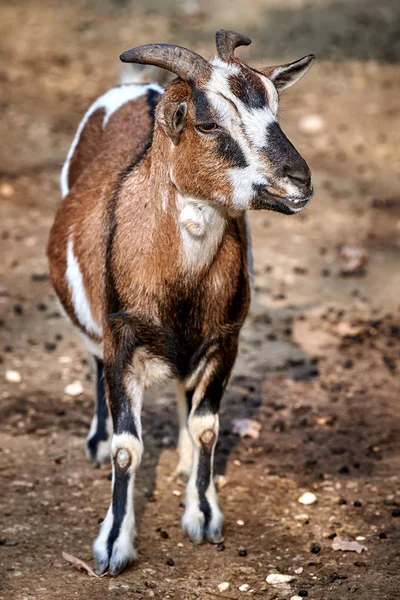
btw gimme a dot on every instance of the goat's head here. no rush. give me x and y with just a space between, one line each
221 117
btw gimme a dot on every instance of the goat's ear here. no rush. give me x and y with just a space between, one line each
286 75
171 117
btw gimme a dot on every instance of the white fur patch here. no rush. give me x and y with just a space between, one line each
79 299
111 101
202 226
185 444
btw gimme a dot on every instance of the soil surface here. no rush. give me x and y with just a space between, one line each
320 355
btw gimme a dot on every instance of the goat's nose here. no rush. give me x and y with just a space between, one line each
300 177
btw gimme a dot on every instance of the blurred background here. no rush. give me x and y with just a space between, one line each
319 360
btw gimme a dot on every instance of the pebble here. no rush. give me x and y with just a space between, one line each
224 586
13 376
307 498
244 587
312 124
74 389
6 190
295 598
299 571
277 579
240 522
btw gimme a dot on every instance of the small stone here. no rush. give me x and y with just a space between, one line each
307 498
6 190
13 376
299 571
311 124
224 586
278 579
240 522
74 389
295 598
244 588
176 493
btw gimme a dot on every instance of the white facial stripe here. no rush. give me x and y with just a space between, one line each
111 101
256 122
230 68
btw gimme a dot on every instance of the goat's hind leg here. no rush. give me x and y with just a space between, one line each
98 441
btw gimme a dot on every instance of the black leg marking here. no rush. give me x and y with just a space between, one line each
119 501
101 433
203 479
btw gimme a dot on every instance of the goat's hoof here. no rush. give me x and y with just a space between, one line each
195 526
113 555
98 451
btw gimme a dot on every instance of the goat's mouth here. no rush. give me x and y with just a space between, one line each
267 200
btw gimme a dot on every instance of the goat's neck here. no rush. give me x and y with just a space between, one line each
200 223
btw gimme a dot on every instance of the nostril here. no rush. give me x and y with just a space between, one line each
302 177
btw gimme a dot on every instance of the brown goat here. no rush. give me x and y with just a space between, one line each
149 255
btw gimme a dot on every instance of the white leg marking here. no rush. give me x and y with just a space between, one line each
185 444
196 523
114 545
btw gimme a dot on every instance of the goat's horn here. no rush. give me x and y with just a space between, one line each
181 61
227 41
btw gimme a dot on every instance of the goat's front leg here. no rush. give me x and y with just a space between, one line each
185 444
113 548
203 518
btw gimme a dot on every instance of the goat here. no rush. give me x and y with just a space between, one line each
150 255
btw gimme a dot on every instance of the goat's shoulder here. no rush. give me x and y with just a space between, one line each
115 127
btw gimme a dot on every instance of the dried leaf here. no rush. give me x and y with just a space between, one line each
246 428
345 546
79 564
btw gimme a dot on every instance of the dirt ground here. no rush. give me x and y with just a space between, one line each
320 355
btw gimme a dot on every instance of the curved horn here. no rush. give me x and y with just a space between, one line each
227 41
181 61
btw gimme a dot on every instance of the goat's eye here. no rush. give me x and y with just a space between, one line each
207 127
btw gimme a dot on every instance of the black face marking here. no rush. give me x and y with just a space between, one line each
230 149
250 91
281 152
119 502
101 433
202 106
